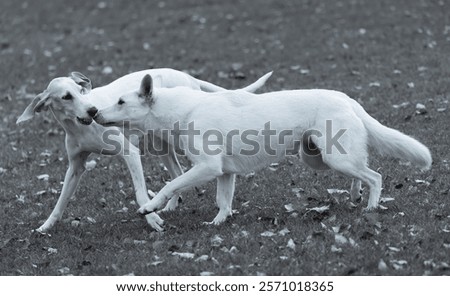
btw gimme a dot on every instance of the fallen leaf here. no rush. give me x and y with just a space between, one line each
139 242
233 249
399 264
340 239
297 191
291 244
386 199
250 175
422 182
402 105
21 198
216 241
394 249
319 210
337 191
185 255
420 108
335 249
382 266
43 177
90 165
202 258
268 233
64 270
289 208
52 251
283 231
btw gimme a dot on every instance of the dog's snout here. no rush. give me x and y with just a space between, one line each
92 111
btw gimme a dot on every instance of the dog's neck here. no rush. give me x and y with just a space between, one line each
167 108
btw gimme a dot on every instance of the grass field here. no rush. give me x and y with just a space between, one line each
389 55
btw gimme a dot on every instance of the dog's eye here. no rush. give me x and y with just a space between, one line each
121 102
67 97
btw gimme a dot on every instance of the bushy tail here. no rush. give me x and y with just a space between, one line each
392 142
209 87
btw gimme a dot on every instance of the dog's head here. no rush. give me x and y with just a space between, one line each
131 108
67 98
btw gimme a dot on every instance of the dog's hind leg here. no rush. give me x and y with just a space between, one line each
348 154
353 163
224 197
361 172
71 180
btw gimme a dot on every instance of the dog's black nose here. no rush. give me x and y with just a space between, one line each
92 111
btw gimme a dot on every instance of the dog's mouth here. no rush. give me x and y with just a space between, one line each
85 121
111 123
99 121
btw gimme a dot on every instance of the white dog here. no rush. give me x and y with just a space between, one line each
263 129
74 103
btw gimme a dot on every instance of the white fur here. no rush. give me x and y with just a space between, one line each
84 138
299 111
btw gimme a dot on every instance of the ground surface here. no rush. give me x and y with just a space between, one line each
382 53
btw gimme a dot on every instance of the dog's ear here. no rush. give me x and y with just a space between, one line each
81 80
146 89
39 103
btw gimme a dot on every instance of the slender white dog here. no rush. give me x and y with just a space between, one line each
74 103
329 120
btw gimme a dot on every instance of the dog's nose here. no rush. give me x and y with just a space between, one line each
92 111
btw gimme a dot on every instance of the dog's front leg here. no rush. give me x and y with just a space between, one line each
170 161
131 155
196 176
71 180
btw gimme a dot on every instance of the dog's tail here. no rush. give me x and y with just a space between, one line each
392 142
209 87
258 83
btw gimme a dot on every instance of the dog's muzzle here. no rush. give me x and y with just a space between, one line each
85 121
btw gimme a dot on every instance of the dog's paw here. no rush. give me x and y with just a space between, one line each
369 209
146 209
155 221
40 230
171 205
219 219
